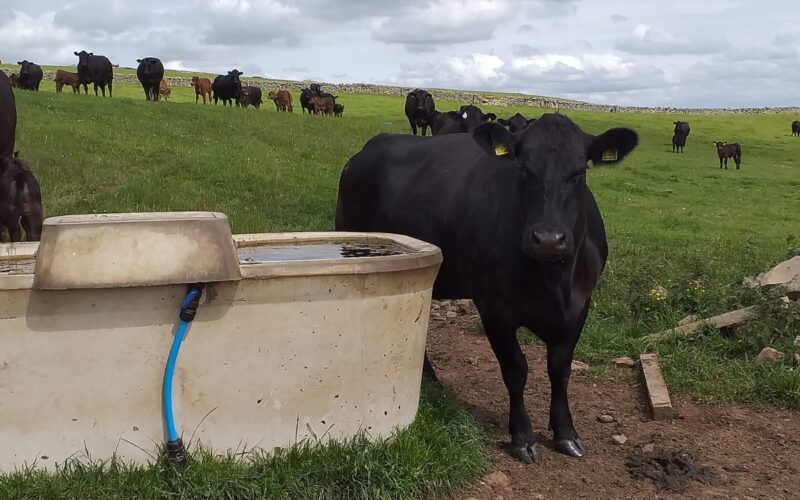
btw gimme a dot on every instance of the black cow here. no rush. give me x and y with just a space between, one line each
516 123
227 87
150 73
30 75
20 200
467 119
796 128
305 100
679 136
519 230
8 117
725 151
419 110
96 70
338 111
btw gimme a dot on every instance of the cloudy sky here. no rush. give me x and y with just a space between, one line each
629 52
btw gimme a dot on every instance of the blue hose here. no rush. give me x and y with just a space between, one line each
175 449
172 433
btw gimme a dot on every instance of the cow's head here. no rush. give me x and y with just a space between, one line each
25 67
719 145
516 123
473 117
421 98
552 157
235 74
149 66
83 59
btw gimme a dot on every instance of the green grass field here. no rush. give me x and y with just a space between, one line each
673 221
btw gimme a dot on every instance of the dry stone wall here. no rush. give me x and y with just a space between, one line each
467 97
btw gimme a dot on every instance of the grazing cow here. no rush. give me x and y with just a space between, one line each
20 200
250 96
679 136
96 70
796 128
8 117
202 87
164 89
516 123
227 87
30 75
282 100
466 119
419 110
67 78
519 230
14 80
150 73
725 151
323 105
338 111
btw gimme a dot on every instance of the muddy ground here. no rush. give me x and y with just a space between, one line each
754 454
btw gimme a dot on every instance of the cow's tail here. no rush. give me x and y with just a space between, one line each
739 153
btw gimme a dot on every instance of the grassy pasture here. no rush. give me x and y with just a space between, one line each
673 221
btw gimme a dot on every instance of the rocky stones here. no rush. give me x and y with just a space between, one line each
624 362
606 419
579 366
769 356
619 439
451 314
692 318
648 448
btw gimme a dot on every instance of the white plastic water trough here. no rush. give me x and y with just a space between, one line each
297 336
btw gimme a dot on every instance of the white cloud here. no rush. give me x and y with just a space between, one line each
650 40
444 22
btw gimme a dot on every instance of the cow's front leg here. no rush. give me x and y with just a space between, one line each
514 367
559 368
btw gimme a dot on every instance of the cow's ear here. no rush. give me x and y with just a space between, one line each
495 140
76 54
612 145
489 117
531 120
91 53
138 60
503 122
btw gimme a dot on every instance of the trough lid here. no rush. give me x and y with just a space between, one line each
139 249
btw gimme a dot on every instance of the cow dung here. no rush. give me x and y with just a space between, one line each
672 471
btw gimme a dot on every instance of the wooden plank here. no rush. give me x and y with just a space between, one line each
732 318
657 392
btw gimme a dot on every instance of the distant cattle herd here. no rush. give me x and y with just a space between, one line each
20 200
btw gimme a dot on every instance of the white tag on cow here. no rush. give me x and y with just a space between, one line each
464 116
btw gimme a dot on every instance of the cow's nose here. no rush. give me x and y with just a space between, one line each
549 243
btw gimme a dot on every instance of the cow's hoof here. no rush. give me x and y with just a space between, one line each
528 454
571 447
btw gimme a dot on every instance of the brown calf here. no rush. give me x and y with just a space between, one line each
164 89
202 87
322 105
67 78
282 100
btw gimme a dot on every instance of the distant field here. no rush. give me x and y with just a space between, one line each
674 221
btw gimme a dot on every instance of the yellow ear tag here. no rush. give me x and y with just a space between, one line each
500 150
610 155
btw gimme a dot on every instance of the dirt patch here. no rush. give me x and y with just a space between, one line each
671 472
755 453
